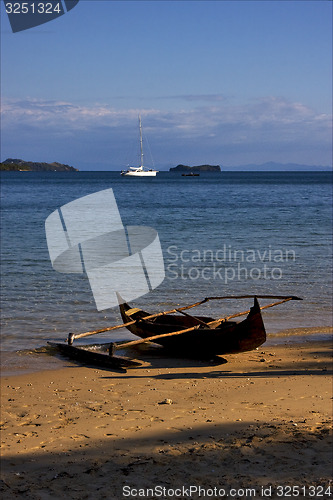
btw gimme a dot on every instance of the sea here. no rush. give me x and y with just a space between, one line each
221 234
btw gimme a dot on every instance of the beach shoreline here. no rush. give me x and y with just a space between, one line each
25 361
261 420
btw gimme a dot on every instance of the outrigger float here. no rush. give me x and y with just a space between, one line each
201 337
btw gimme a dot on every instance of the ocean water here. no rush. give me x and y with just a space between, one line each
221 234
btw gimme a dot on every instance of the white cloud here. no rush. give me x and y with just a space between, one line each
226 132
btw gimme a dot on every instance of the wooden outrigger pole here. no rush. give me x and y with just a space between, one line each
116 327
72 336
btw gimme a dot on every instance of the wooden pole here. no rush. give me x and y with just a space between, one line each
289 297
193 317
154 337
261 308
150 316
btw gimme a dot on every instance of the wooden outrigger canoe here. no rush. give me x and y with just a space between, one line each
206 336
181 334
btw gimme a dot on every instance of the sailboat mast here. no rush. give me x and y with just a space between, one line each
141 148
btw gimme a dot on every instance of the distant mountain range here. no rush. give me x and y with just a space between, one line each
272 166
32 166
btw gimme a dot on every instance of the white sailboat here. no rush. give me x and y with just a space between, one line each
140 171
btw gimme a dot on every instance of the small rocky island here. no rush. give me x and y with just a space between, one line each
12 164
197 169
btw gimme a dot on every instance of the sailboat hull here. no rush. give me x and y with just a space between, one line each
143 173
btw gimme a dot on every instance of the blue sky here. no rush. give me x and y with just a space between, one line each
220 82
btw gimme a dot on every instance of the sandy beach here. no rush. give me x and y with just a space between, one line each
251 427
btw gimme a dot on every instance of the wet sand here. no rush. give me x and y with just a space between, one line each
260 421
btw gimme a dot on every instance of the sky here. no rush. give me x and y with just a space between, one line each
221 82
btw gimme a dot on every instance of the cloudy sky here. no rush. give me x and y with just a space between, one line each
220 82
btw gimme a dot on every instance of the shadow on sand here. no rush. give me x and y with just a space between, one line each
242 455
157 357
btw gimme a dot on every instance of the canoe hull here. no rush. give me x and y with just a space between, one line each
227 337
